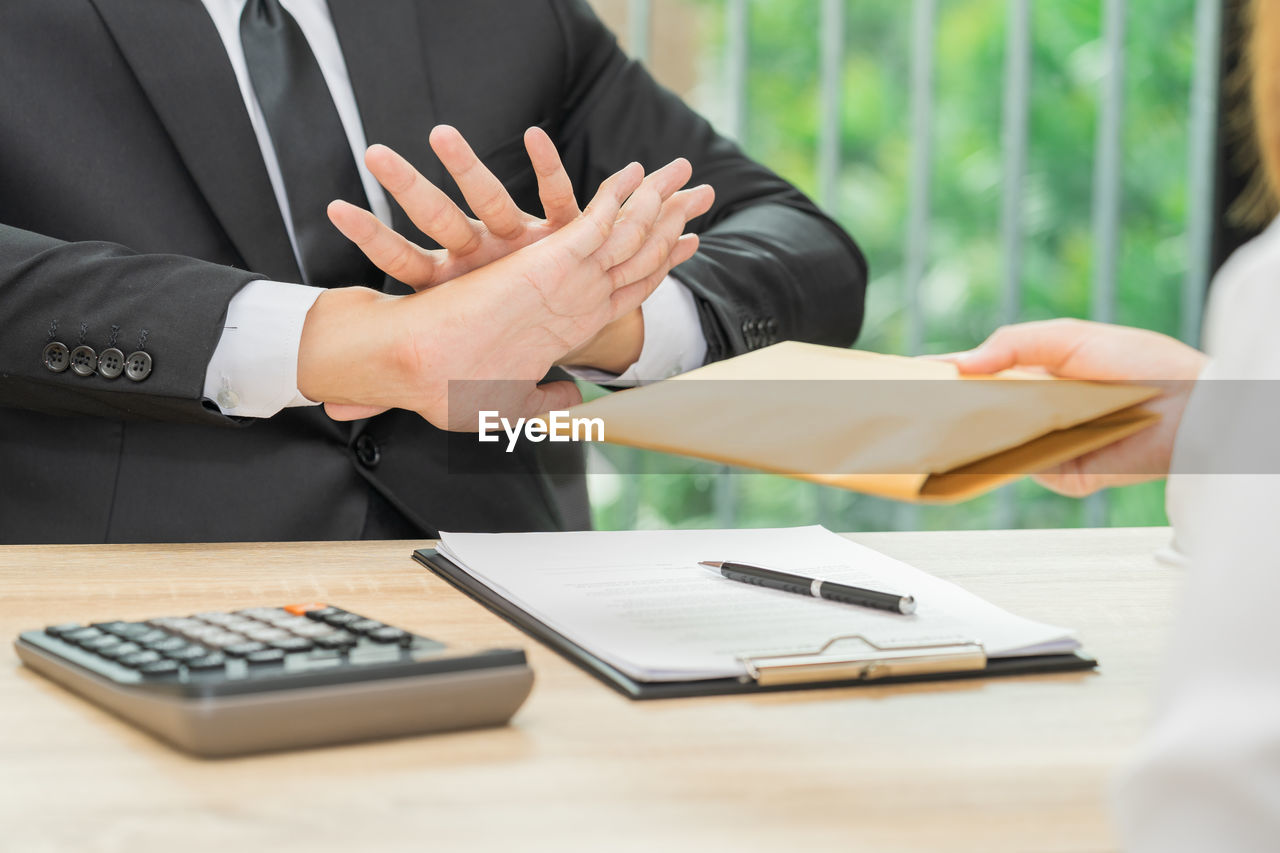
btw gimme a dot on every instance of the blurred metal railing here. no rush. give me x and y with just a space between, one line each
1200 172
1107 176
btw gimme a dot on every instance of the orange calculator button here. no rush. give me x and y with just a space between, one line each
300 609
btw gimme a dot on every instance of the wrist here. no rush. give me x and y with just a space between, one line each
614 348
345 349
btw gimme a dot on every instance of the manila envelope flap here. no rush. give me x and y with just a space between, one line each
909 429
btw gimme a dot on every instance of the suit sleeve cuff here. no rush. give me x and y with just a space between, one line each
673 340
254 369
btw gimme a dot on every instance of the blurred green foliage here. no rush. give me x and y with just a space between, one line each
961 293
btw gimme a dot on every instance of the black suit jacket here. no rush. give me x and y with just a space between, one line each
134 204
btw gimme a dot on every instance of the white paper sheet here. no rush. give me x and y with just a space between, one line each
640 601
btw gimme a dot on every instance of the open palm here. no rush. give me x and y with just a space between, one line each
500 227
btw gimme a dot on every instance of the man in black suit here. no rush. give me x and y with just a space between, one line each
160 165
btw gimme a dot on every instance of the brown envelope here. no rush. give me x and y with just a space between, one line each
909 429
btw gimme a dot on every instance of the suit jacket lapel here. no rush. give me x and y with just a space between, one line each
385 57
176 54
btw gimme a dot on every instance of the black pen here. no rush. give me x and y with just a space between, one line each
830 590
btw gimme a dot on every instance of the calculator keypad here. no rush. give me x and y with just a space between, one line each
253 642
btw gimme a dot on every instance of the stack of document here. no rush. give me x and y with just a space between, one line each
639 601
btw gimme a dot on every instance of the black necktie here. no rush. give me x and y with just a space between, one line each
315 158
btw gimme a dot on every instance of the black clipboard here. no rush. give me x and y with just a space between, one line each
869 672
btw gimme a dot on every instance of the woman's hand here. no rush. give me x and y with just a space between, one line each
1077 349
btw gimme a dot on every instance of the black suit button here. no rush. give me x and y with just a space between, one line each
138 366
771 326
110 363
84 361
746 327
367 451
57 357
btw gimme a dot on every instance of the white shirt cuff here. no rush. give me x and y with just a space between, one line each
673 340
254 369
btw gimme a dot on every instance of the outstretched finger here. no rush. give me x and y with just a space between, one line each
489 199
1050 344
389 251
662 239
635 224
686 248
585 235
559 204
425 203
630 296
671 177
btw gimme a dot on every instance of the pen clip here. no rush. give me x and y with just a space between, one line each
865 664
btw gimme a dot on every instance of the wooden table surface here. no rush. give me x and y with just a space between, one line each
1000 764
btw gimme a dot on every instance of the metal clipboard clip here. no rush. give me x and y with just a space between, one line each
866 663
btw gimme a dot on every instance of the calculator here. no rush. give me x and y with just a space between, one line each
269 678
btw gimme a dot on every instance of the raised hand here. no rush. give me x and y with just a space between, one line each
509 320
1076 349
469 244
466 243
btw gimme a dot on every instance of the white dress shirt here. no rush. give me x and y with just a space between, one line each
1208 774
254 369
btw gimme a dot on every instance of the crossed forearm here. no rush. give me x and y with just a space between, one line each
570 296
